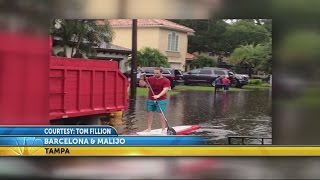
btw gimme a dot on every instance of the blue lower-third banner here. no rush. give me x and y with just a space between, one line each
102 141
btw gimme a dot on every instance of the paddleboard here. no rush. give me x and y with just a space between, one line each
181 130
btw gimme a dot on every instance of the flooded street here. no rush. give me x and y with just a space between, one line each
244 113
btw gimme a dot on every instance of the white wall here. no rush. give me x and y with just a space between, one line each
177 66
122 65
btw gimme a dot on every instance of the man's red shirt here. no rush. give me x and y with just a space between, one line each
157 86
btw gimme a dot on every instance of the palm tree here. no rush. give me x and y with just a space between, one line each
81 35
63 29
257 56
243 54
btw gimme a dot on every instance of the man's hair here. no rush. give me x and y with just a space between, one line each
159 69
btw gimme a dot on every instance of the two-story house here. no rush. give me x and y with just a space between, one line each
168 37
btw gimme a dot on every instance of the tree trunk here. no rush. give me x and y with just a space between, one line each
72 50
79 36
78 43
65 50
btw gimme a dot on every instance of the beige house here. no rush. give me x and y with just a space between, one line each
189 58
168 37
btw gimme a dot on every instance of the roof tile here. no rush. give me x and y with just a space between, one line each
148 22
189 56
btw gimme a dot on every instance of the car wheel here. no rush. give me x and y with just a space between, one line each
213 84
237 84
234 83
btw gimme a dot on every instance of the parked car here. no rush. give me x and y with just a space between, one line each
178 75
208 75
128 74
174 75
169 73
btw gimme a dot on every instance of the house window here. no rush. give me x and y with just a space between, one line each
173 41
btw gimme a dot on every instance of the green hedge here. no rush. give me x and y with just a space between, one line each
255 81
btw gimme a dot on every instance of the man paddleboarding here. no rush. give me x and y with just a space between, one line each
160 86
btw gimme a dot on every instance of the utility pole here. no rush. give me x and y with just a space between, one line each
133 85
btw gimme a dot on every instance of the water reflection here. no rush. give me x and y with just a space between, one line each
129 123
227 113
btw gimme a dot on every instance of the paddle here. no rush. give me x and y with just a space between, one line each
170 130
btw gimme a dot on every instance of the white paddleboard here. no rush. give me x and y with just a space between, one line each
180 130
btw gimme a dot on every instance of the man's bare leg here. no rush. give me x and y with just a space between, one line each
163 123
150 120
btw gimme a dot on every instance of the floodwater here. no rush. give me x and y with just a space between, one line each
244 113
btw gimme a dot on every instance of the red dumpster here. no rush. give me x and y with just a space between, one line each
24 71
81 87
36 88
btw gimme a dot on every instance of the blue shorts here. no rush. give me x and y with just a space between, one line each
153 107
226 87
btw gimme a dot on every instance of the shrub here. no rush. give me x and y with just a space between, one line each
255 82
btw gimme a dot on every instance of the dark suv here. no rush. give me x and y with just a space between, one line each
172 74
208 75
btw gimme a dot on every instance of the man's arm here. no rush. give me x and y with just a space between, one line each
142 81
164 91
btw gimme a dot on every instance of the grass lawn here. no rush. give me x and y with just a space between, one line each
261 86
205 88
258 83
144 92
177 89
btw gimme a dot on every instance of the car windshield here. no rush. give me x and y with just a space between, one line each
195 71
166 72
149 71
177 72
